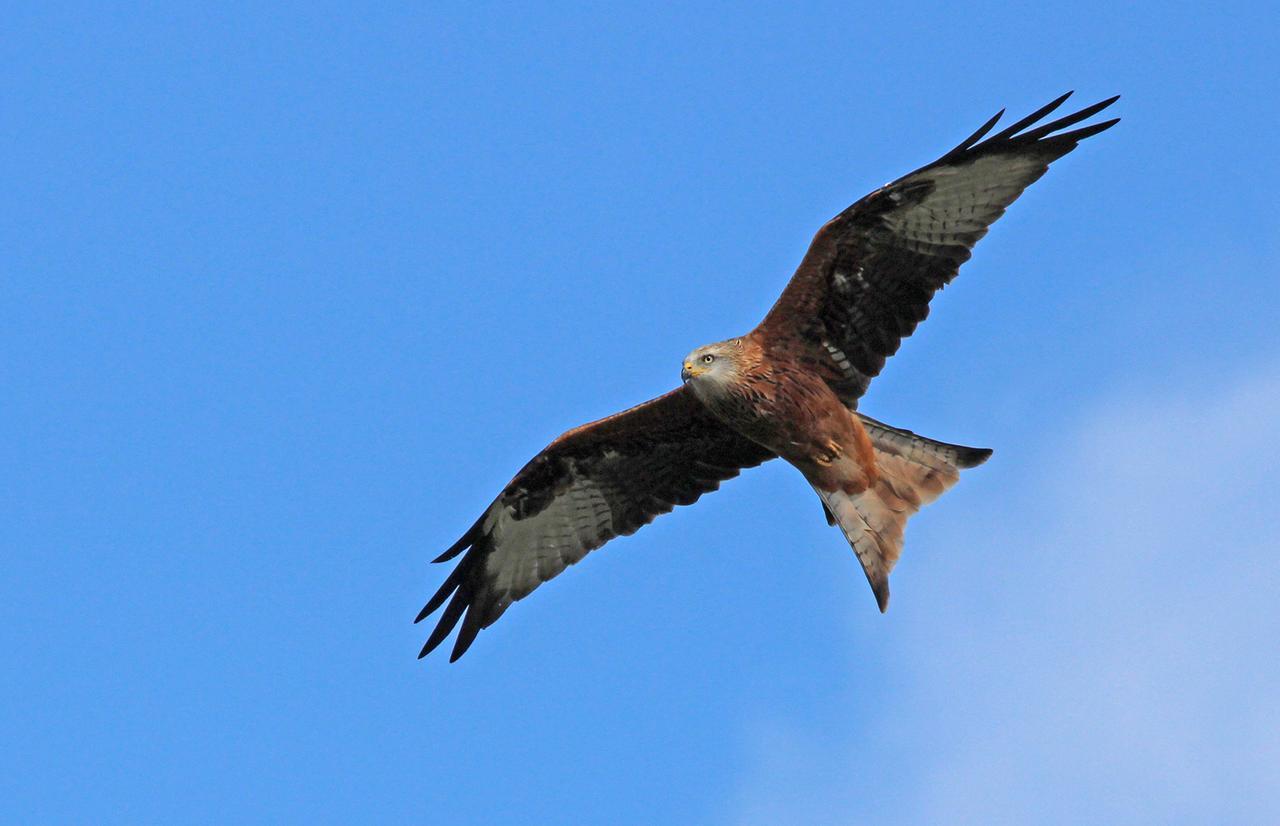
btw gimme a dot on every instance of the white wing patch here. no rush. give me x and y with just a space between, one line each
965 200
531 551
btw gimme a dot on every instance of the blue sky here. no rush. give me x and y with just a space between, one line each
291 290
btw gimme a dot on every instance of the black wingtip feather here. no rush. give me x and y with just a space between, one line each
447 621
471 626
473 604
1064 122
1087 131
1013 129
453 551
968 142
1012 136
468 539
450 584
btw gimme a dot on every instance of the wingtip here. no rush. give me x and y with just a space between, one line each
454 549
1077 135
439 635
981 132
468 539
471 626
1014 128
447 588
1058 101
461 644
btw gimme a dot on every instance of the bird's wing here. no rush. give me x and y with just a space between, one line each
604 479
869 274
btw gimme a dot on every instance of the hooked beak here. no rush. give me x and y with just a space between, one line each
686 372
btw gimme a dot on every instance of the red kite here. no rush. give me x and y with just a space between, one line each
788 389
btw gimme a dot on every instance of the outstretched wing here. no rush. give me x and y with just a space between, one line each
869 274
604 479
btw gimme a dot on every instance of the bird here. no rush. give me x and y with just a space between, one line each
788 389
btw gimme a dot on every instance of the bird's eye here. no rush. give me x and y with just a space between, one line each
708 358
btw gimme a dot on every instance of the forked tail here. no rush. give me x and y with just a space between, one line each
913 471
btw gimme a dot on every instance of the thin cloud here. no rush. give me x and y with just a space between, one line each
1119 664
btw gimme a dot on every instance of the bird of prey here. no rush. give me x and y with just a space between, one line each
788 389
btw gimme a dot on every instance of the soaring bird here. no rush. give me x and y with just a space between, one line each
788 389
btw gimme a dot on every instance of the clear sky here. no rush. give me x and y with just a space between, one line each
290 291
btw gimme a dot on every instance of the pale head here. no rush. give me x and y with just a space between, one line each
713 367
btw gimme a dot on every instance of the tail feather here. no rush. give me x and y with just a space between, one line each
919 449
913 471
876 549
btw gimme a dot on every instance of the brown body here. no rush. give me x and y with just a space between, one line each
779 397
781 402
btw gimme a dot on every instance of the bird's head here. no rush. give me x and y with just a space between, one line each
712 367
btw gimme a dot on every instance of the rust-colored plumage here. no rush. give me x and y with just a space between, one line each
789 389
